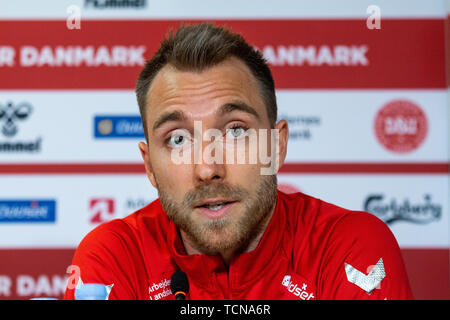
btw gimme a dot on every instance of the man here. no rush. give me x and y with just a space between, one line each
205 94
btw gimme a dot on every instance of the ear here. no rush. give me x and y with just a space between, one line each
283 135
143 148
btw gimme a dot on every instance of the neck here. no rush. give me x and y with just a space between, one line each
228 255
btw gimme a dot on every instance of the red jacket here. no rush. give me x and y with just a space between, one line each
310 250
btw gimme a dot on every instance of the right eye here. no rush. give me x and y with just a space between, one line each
177 139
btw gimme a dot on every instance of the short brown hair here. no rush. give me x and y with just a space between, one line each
198 47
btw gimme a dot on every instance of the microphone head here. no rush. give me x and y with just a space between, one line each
179 282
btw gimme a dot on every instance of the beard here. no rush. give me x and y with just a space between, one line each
236 229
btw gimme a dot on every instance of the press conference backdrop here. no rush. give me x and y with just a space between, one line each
363 85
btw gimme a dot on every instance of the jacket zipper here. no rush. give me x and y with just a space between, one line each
228 297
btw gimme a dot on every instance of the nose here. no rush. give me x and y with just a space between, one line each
210 168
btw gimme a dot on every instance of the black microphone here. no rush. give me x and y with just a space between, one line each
179 285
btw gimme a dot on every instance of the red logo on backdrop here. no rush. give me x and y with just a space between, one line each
287 188
101 210
401 126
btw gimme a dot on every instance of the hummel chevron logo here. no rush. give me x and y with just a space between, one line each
366 282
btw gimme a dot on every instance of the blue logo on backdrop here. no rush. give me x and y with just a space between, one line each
118 127
27 211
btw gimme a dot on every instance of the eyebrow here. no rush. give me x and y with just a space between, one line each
223 110
237 106
168 117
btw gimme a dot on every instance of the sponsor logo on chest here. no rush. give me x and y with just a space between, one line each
300 290
160 290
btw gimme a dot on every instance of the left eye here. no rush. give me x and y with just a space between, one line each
235 132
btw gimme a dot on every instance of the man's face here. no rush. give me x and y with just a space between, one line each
218 205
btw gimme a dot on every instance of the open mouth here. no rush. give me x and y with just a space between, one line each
215 208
